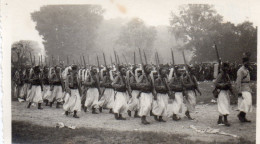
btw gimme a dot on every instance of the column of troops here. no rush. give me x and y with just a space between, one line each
139 90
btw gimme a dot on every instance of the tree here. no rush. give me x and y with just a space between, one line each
68 30
134 35
21 52
199 26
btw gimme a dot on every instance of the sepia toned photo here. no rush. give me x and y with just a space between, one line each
129 71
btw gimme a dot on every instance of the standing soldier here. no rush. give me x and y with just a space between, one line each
92 82
25 84
72 97
121 97
134 101
223 84
244 91
17 82
36 87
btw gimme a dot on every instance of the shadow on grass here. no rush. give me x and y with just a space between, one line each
24 132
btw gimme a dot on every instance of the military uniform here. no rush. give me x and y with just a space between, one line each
245 98
72 97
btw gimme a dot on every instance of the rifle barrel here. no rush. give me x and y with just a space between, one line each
141 56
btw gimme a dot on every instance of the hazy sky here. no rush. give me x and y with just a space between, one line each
153 12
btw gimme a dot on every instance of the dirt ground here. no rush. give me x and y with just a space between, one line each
205 115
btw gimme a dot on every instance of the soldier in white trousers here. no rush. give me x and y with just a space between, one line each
244 91
223 84
72 97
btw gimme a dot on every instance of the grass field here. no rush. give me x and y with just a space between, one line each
38 126
24 132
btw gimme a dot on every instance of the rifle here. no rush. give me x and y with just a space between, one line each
52 59
84 61
145 58
118 61
34 60
41 61
152 81
98 82
173 63
31 58
219 60
104 57
115 58
134 59
189 75
111 60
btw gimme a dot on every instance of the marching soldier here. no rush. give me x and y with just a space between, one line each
189 85
176 85
146 97
161 102
223 83
72 97
107 99
56 86
36 87
121 97
134 101
244 91
92 95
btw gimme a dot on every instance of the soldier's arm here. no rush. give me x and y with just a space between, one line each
67 88
116 83
170 74
239 80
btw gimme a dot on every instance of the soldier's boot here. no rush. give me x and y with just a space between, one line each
151 113
75 114
58 105
187 113
129 113
161 119
29 105
136 115
220 121
100 109
245 119
51 104
85 109
156 118
241 117
66 113
39 106
94 111
121 117
144 121
46 103
111 111
175 117
116 116
226 123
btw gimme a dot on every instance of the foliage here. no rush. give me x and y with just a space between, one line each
21 52
134 35
199 26
68 30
